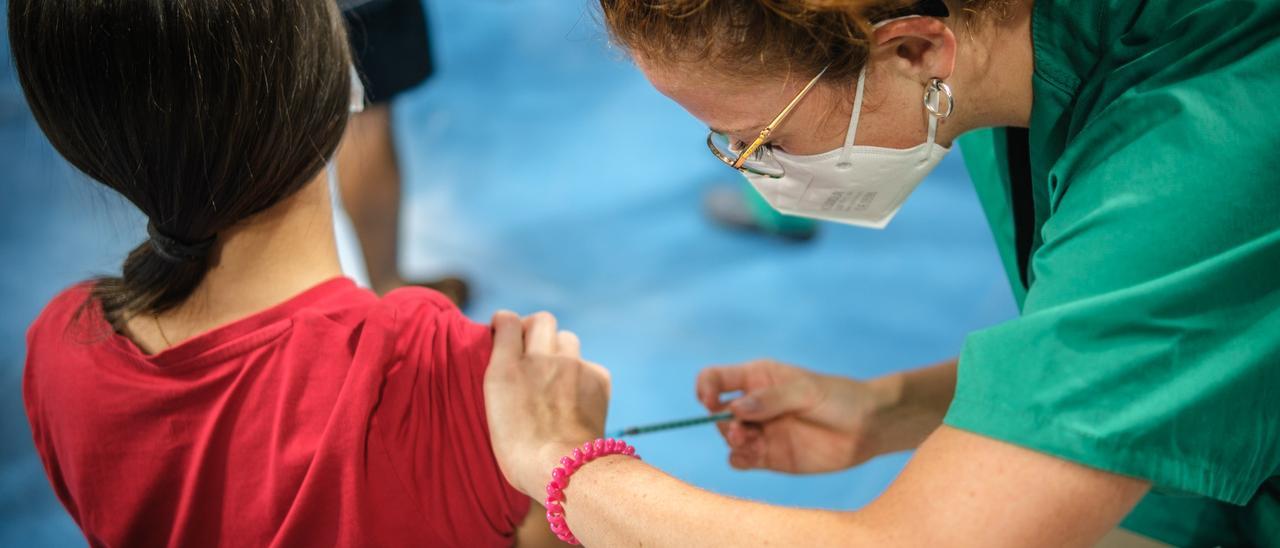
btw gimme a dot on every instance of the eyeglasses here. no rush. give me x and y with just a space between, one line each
757 158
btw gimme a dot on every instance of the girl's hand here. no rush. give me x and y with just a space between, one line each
793 420
541 398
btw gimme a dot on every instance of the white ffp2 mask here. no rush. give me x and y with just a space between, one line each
857 185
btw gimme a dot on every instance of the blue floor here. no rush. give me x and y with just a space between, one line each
542 167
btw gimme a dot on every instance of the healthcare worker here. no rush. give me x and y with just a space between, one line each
1127 155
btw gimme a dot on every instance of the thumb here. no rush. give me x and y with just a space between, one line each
508 338
774 401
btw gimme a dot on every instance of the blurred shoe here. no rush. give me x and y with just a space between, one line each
455 289
741 208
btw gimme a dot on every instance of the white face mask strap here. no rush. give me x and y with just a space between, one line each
857 101
853 118
933 133
933 128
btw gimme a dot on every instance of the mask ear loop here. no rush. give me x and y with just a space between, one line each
852 132
857 103
934 86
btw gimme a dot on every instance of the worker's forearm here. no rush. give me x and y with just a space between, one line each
959 487
621 501
920 399
534 532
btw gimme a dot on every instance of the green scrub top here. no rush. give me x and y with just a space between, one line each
1149 339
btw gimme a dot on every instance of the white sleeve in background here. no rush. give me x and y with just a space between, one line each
349 252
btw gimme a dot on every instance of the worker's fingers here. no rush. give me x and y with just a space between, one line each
714 381
746 445
568 345
723 427
769 403
527 321
746 458
603 373
508 338
734 435
540 334
753 436
739 434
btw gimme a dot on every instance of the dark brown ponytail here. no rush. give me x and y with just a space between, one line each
200 113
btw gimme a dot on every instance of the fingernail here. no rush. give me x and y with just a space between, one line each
746 404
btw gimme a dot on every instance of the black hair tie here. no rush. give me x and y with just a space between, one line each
177 251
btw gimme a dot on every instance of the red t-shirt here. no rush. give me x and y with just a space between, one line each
333 419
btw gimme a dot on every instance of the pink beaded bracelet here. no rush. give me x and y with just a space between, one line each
568 465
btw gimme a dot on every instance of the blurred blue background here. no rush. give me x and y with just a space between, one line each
541 166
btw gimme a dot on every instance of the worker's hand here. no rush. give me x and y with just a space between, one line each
793 420
541 398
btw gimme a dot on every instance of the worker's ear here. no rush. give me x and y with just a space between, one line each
920 48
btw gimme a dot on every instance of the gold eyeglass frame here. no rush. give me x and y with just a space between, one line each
741 159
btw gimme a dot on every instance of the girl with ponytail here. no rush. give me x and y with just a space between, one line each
230 387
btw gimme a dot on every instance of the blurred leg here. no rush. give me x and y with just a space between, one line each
369 177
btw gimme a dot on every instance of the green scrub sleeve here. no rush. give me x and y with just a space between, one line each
1149 344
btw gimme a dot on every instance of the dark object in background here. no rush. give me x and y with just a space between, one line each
390 45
